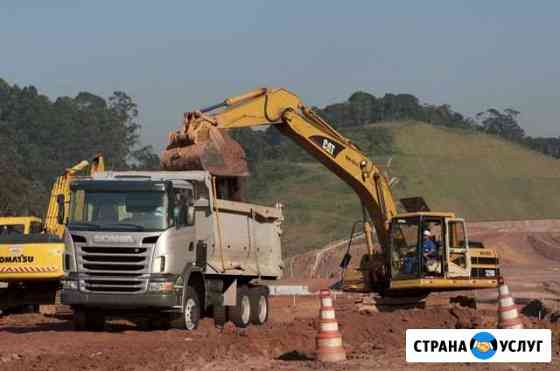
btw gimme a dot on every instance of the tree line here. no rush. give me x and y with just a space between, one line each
363 108
40 137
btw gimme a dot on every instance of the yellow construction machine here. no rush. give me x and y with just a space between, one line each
405 261
31 250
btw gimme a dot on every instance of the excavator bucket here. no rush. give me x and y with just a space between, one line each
218 153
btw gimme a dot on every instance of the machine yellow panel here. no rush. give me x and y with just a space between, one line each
31 261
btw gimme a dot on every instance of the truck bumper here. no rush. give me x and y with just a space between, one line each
120 301
160 294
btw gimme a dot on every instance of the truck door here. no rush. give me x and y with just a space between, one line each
457 249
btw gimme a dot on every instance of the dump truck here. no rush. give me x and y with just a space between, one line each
161 246
421 250
31 249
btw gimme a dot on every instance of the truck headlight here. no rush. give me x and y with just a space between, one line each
161 286
159 264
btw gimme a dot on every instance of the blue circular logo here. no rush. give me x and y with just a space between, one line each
483 345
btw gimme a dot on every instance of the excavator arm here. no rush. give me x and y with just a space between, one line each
284 109
60 194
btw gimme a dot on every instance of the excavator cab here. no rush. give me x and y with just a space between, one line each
431 251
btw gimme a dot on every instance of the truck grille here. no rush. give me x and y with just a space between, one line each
112 269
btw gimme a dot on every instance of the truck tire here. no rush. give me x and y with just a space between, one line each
188 320
161 323
240 314
259 306
87 320
220 315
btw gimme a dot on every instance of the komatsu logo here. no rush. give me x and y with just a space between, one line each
478 346
17 259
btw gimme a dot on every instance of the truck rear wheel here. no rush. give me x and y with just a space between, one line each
240 314
259 306
220 315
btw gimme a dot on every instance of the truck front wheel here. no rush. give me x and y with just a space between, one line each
191 309
240 314
88 320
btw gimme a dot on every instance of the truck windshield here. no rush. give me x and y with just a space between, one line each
135 210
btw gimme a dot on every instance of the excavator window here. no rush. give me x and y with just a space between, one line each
457 245
12 229
404 247
36 228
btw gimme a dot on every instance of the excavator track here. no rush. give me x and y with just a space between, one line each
368 303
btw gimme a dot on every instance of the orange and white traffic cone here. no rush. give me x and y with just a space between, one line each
508 317
329 339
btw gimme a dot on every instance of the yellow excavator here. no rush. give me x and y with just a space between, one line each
420 250
31 250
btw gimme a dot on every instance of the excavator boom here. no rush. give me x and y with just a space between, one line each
60 194
202 143
203 129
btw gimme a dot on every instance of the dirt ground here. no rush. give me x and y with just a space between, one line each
287 342
530 262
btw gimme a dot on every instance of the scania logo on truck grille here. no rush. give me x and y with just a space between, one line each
113 238
17 259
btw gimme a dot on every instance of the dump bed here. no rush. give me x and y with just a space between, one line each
246 239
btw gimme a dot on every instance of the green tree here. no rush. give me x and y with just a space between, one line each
503 124
40 138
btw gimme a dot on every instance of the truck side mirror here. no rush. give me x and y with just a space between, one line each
60 211
189 219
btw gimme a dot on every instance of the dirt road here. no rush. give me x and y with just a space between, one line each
374 341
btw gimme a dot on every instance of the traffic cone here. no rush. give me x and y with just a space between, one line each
329 339
508 317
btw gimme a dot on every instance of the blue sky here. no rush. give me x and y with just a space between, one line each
174 56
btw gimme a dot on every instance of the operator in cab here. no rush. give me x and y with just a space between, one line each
430 251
